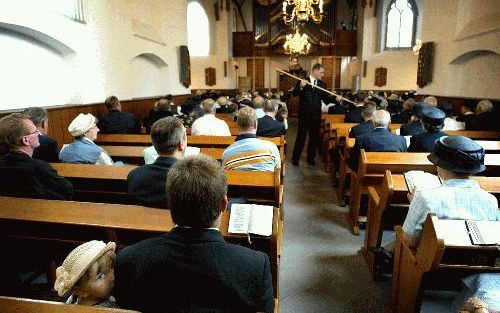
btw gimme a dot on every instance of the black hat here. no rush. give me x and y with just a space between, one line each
458 154
447 108
417 109
433 116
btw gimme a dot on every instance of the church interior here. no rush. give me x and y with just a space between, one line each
331 218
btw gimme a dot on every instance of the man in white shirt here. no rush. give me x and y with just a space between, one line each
258 105
208 124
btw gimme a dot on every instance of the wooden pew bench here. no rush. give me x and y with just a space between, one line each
17 305
438 262
388 204
105 183
372 166
62 225
475 134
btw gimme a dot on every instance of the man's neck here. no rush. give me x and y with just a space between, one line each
247 132
271 114
175 155
24 150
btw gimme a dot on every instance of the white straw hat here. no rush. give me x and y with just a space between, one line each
81 124
77 263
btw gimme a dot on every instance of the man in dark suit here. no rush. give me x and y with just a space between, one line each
47 150
116 121
466 113
433 122
379 140
268 126
191 268
309 113
366 126
404 116
22 175
485 118
414 127
146 184
354 114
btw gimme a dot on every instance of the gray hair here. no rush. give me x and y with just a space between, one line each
271 105
381 118
431 101
208 106
369 110
166 133
258 102
485 105
37 115
247 118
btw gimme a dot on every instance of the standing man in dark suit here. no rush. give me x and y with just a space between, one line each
191 268
309 113
146 184
268 126
48 150
433 122
116 121
379 140
366 126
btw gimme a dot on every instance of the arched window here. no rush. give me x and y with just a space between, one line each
401 18
198 30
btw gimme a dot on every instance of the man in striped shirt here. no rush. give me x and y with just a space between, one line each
248 152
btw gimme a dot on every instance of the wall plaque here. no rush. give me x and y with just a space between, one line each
210 76
425 60
380 76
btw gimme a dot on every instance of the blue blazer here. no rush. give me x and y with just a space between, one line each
425 142
379 140
362 128
411 129
269 127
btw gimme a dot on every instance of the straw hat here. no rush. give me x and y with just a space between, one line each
458 154
81 124
77 263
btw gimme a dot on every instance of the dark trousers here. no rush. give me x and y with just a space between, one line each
307 124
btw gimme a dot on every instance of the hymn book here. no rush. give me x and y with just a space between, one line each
468 232
251 219
421 180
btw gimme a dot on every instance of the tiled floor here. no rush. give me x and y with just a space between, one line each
322 269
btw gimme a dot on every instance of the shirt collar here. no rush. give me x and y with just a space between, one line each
312 78
88 140
245 136
462 183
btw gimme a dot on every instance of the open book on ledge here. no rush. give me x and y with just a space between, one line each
468 232
421 180
251 219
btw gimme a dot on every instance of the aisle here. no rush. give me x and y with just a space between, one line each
322 269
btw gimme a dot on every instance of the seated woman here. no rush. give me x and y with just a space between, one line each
83 149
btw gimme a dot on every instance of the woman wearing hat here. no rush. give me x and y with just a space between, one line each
83 149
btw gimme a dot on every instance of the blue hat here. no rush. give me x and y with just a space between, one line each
417 109
458 154
433 116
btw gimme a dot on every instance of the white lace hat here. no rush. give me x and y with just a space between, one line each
81 124
77 263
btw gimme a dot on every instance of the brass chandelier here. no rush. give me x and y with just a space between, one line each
302 11
297 43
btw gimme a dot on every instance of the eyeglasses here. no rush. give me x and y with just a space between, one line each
34 132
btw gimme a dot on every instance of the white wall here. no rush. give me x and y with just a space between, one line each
466 51
59 61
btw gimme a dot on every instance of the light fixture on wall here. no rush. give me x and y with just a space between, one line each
302 11
417 46
297 43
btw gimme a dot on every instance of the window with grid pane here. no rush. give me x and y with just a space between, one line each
401 20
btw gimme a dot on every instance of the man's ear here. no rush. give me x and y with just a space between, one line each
223 204
45 124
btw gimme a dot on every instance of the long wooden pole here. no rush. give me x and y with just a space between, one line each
322 89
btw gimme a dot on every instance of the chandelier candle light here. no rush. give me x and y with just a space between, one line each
296 43
303 10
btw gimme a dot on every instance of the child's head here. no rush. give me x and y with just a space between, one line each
88 271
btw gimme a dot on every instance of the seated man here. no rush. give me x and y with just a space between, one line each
466 113
457 158
354 113
431 101
146 183
379 140
267 125
485 118
48 150
116 121
191 268
405 115
433 121
162 108
258 105
366 126
208 124
450 122
414 127
23 176
249 152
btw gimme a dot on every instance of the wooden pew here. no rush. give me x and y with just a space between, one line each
390 198
62 225
438 261
105 183
135 154
326 120
372 166
233 130
16 305
475 134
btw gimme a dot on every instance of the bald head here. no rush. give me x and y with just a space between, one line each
381 118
